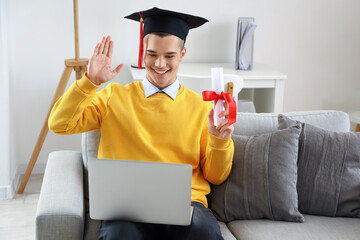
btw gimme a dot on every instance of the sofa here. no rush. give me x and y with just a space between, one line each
62 211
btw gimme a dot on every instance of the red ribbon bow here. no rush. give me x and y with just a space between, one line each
213 96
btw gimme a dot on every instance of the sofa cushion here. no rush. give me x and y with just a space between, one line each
90 145
314 228
225 232
92 228
250 124
328 171
262 182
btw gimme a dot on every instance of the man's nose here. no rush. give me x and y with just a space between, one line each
160 62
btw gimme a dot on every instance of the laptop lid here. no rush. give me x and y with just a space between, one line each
149 192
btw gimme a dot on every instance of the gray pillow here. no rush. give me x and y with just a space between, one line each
262 182
328 171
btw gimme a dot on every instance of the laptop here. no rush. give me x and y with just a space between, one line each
137 191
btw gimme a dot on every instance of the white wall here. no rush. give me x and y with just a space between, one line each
5 163
316 43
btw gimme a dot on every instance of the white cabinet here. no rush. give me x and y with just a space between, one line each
263 85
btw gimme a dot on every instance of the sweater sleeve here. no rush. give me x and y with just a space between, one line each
80 109
217 156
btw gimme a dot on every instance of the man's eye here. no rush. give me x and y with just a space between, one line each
169 56
152 55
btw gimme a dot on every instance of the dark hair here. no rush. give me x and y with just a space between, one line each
165 34
161 34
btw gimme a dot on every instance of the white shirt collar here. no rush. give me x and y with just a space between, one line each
171 90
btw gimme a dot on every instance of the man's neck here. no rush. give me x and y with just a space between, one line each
158 86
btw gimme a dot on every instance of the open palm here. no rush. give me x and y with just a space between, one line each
99 70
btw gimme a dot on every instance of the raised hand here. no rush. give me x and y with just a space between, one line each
100 62
222 130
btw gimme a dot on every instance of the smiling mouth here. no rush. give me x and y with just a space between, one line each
161 72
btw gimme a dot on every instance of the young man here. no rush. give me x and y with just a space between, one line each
154 120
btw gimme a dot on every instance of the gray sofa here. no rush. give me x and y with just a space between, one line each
62 211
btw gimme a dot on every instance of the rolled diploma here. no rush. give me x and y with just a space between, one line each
217 76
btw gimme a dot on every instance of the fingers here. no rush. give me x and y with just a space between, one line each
226 112
226 132
111 48
224 129
101 47
106 47
221 124
211 116
225 121
118 69
96 49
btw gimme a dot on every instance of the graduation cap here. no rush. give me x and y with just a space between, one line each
165 21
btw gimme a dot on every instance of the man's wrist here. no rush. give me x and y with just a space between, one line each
92 79
218 142
86 86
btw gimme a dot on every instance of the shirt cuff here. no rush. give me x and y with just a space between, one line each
85 85
220 143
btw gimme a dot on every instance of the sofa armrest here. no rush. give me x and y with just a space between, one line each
60 210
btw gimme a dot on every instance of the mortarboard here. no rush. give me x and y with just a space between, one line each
160 20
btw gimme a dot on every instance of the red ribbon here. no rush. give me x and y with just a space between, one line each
141 46
213 96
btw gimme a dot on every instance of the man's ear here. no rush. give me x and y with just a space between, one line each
182 54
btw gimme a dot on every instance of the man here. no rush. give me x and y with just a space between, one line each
154 120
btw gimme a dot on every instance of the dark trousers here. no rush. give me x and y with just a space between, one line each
203 227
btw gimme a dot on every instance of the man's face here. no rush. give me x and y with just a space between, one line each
162 56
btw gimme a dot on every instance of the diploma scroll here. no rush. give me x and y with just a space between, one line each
217 76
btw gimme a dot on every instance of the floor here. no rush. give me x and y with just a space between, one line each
17 215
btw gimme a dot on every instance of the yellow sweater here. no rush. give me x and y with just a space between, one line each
156 128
